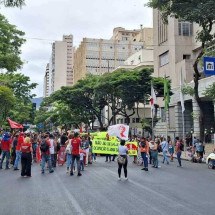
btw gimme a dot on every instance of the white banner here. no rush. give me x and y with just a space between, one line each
121 131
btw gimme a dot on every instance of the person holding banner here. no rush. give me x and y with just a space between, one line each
122 160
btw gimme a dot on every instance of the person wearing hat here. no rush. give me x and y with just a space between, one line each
5 146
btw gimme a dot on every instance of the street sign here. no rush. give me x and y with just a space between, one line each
209 66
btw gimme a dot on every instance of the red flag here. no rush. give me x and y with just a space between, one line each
14 124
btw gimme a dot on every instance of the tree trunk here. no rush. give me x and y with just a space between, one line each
196 93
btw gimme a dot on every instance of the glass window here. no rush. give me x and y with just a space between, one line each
164 58
185 28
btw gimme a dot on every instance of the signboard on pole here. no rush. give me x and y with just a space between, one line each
209 66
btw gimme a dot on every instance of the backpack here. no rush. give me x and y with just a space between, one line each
181 146
143 144
160 148
44 147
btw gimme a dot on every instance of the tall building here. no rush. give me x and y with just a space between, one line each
46 85
61 66
97 56
175 50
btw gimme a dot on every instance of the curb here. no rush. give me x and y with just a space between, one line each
182 158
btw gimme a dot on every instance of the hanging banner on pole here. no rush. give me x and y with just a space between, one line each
121 131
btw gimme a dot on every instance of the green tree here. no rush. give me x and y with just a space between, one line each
20 84
11 40
201 12
13 3
7 102
21 88
210 92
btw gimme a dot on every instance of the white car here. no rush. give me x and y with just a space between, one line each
210 160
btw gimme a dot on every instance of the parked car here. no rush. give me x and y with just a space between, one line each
210 161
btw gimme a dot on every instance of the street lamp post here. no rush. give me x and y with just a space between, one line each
191 131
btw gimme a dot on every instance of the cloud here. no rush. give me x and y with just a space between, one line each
49 20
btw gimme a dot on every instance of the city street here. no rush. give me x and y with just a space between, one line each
167 190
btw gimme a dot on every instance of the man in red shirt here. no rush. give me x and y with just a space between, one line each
5 146
20 141
76 144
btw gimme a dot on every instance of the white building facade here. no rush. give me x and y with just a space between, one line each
61 65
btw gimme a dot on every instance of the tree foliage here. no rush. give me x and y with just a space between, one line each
210 92
121 91
201 12
11 40
13 3
6 103
20 84
21 89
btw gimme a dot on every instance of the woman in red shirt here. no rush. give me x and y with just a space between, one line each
26 158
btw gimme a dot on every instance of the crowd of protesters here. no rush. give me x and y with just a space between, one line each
75 151
48 149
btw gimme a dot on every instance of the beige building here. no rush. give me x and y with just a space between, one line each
97 56
140 59
61 67
46 85
175 50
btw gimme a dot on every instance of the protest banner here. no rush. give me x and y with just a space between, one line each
132 148
121 131
105 147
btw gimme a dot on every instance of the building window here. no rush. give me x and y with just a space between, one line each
162 30
185 29
186 56
133 120
137 120
164 58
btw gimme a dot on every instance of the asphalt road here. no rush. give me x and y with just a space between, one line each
168 190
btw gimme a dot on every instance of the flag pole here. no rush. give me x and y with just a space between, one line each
152 124
182 109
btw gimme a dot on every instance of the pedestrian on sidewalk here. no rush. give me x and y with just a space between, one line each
170 148
154 153
178 150
122 159
165 148
144 149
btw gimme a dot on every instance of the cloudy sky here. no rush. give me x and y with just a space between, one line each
45 21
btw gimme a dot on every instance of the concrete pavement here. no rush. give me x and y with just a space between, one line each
167 190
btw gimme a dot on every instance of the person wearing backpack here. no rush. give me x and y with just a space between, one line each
45 154
144 149
178 150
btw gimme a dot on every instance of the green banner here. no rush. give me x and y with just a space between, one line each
105 147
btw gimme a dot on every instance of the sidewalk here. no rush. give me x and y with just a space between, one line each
209 147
